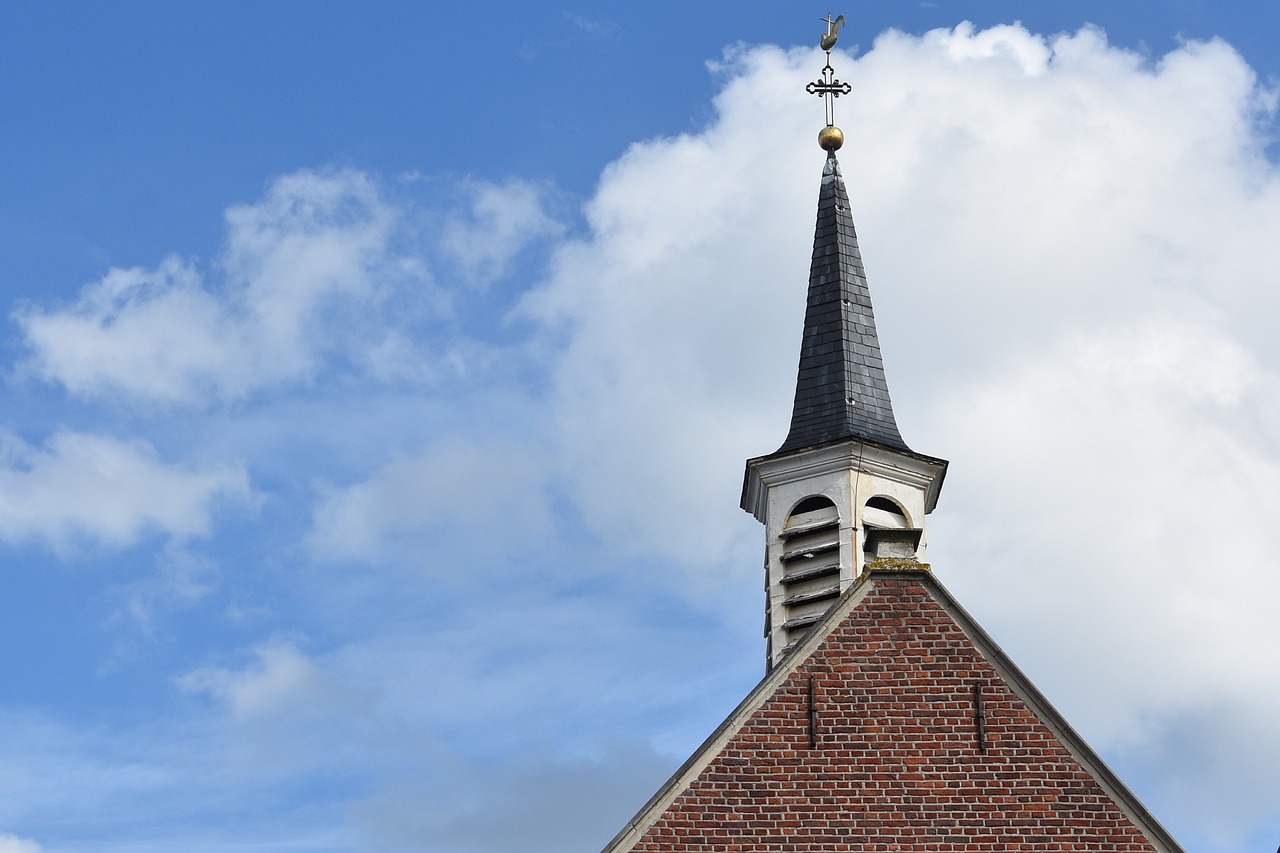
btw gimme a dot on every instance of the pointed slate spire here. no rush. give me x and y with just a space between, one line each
841 392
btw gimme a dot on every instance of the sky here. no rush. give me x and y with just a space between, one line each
377 382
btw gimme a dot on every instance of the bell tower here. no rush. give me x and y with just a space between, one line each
844 489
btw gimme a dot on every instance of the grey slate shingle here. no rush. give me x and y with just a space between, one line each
841 392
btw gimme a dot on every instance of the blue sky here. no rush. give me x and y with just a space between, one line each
377 383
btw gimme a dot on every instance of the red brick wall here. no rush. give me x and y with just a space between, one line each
897 763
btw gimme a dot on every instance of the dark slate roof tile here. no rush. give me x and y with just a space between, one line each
841 392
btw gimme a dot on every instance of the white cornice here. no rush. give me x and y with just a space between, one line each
912 469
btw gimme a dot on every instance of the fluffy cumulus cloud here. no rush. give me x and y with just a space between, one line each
1068 245
81 488
326 274
299 269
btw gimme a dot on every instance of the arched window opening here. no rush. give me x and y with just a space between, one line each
811 513
812 504
884 512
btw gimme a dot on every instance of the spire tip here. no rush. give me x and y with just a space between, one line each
829 88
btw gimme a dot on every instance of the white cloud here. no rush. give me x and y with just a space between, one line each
280 680
300 269
88 488
324 273
156 334
10 843
1072 253
1151 455
502 220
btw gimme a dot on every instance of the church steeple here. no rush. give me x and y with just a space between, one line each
843 490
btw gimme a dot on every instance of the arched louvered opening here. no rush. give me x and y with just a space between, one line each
810 564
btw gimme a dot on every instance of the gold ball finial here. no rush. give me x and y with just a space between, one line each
830 138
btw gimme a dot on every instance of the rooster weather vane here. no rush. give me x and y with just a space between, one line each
828 87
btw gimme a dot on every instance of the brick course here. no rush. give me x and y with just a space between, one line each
898 761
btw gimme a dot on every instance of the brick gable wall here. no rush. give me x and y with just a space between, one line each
896 762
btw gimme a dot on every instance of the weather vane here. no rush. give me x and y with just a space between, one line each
829 88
